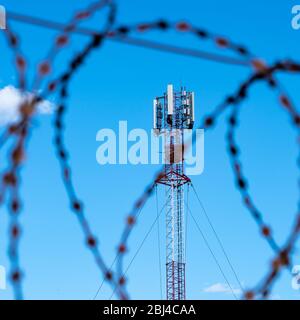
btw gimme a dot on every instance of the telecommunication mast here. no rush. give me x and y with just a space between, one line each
172 114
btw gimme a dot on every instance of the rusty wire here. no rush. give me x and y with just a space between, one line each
19 133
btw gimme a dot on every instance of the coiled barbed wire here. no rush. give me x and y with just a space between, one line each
27 109
262 73
20 131
60 146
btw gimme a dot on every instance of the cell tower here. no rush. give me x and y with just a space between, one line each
172 113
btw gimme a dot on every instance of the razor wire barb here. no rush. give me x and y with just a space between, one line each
19 134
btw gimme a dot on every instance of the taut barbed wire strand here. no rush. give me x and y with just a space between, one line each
129 40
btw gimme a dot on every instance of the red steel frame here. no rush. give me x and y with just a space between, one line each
174 180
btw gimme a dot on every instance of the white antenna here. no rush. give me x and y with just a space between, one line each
170 99
154 114
193 105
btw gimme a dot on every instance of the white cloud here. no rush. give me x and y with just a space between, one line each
10 100
221 288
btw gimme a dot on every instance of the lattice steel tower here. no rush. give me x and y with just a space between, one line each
172 113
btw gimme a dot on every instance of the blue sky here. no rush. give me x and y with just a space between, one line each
119 83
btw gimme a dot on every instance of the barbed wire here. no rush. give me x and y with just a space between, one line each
27 109
129 40
283 255
65 79
261 74
19 133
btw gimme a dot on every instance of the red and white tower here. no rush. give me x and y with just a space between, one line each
173 113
